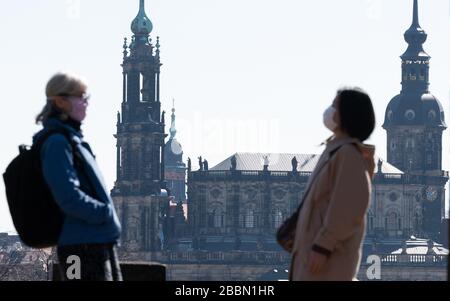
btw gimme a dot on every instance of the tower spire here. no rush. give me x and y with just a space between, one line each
141 25
415 36
173 130
416 13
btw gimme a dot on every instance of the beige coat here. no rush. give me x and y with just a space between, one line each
333 215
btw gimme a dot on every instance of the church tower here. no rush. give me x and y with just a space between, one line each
414 122
414 119
139 191
175 168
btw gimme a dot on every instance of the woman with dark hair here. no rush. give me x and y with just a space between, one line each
331 223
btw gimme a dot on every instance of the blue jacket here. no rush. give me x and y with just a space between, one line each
78 189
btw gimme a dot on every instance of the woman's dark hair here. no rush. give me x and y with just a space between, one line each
356 113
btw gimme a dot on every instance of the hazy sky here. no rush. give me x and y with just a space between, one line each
246 75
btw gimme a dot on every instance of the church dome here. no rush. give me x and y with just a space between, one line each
414 109
173 153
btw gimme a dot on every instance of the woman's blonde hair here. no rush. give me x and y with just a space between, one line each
60 84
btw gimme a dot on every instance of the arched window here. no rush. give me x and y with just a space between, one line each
422 74
392 221
416 221
278 219
412 74
218 218
211 219
141 87
370 216
249 219
215 218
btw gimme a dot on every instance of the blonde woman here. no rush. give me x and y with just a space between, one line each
331 222
91 228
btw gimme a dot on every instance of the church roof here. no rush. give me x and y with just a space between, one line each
414 109
282 162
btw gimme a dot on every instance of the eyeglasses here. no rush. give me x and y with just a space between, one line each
84 97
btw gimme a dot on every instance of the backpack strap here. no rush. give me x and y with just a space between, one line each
77 157
41 140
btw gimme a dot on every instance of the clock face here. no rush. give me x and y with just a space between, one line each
431 193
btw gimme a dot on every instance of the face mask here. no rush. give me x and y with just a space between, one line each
78 111
328 118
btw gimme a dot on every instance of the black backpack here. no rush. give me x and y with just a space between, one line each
37 218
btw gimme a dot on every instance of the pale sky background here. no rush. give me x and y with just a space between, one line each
247 75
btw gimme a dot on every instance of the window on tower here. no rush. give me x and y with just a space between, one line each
422 74
120 159
412 74
393 145
125 87
370 220
141 87
431 115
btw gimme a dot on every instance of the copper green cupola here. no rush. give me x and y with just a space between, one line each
141 25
